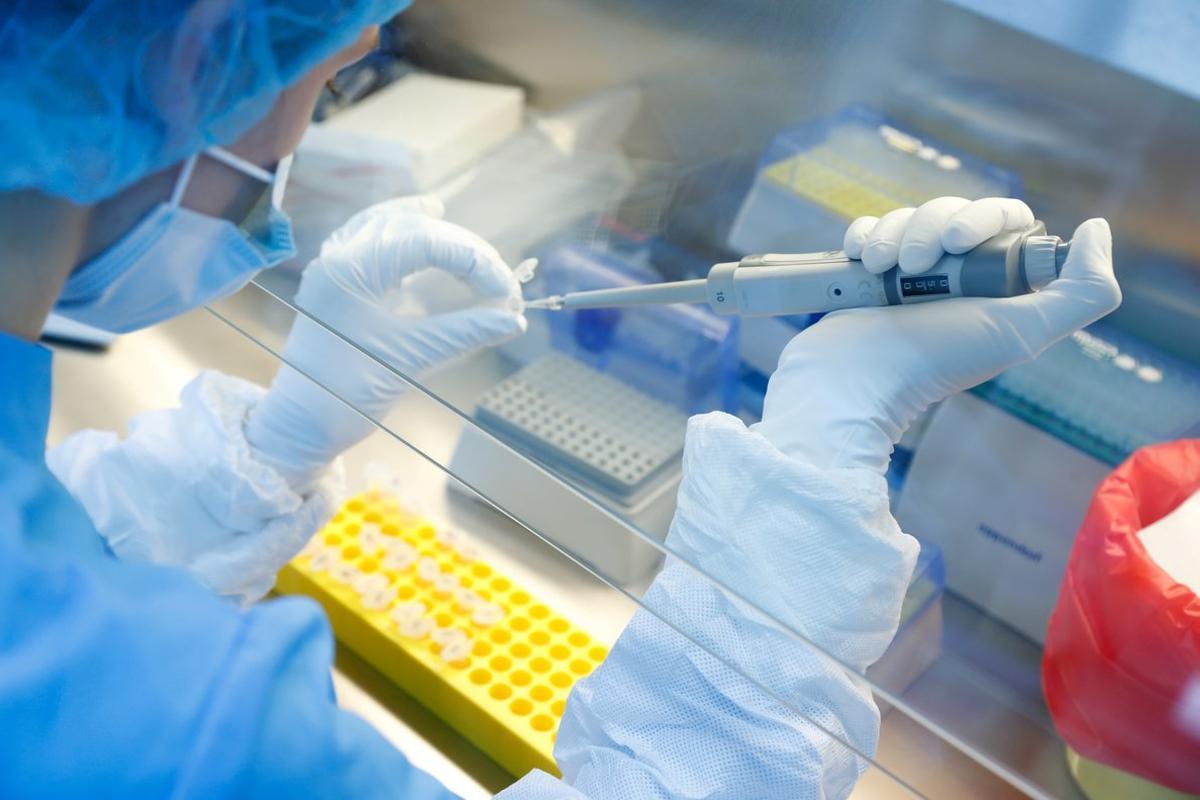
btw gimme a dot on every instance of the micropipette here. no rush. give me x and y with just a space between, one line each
1010 264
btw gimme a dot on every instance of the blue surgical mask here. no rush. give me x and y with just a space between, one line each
175 259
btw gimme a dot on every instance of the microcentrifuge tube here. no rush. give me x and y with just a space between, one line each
487 614
466 599
394 544
417 628
428 570
404 612
445 636
370 538
399 559
445 585
324 559
343 572
377 599
456 650
365 583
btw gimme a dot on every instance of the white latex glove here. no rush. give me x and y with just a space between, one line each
847 388
411 289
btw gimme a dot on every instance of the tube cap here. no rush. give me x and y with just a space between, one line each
1038 260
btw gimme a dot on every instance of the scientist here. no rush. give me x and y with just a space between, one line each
145 148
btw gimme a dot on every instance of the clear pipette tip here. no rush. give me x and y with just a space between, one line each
552 303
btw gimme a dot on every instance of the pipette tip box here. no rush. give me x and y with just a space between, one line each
1104 392
814 178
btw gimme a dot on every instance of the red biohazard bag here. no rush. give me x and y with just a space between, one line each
1123 643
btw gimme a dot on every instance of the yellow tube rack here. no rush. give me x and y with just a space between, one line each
463 639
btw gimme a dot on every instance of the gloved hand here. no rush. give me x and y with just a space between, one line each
383 281
847 388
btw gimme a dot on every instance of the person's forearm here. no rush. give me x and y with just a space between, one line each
186 489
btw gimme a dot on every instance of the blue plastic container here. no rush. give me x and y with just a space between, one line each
684 355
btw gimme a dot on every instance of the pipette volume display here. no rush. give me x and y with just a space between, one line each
772 284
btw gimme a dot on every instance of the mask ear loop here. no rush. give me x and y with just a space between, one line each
240 164
276 181
282 170
185 175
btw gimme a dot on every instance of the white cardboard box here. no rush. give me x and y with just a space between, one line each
442 124
1004 501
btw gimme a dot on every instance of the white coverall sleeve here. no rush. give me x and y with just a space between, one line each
184 488
662 718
